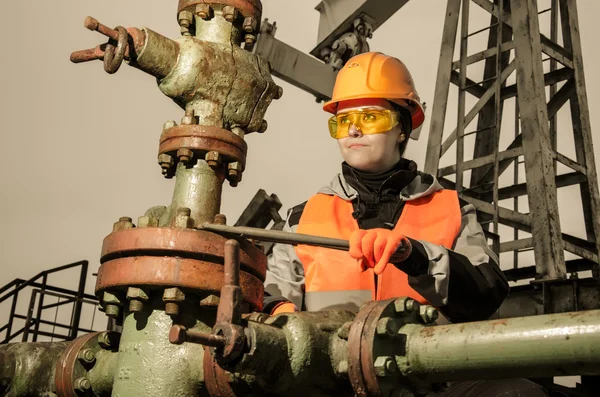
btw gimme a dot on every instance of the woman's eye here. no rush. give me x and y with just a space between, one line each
369 117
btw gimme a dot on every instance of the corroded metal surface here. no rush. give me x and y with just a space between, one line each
215 377
80 356
28 368
179 242
204 139
248 8
190 274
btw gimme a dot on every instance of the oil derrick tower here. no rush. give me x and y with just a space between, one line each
537 73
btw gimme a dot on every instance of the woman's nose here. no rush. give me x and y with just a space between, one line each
354 131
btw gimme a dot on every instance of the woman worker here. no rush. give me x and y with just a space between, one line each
408 236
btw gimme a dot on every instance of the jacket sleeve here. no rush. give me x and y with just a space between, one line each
464 283
285 273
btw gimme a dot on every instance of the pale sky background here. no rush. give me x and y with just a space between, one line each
78 146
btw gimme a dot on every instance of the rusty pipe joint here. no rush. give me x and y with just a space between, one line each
225 85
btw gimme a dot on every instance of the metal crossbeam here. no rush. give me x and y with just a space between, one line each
515 26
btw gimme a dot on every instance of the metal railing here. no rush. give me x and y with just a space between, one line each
28 325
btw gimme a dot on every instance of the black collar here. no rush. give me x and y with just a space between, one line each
373 186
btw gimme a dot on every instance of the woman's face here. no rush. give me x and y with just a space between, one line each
371 153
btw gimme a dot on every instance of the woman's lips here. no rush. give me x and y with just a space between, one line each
355 146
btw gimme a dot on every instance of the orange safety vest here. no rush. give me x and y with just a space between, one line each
333 275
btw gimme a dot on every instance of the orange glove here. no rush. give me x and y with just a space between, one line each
375 247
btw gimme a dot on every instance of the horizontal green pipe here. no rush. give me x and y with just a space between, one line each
535 346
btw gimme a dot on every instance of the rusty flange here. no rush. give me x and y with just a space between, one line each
215 377
178 242
77 359
376 348
188 274
248 8
202 139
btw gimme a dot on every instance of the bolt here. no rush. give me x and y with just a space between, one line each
189 118
86 356
169 124
104 340
147 221
384 366
387 326
344 331
343 367
203 10
428 314
250 24
123 223
185 19
183 219
112 310
172 297
249 39
185 155
220 219
213 158
82 384
234 170
137 297
263 126
166 162
404 305
279 93
230 13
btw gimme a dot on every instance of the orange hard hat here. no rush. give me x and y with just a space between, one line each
375 75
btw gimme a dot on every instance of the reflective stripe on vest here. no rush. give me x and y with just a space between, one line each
333 279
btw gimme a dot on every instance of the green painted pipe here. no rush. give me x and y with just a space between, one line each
535 346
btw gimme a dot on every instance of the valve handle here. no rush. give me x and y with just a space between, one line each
112 53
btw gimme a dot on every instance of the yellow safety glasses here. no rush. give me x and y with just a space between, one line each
367 121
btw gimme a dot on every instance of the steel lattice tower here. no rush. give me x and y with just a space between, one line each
548 75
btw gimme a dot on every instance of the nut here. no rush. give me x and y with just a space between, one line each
137 293
189 118
86 356
230 13
108 297
183 219
203 10
123 223
428 314
147 221
185 18
279 93
263 126
166 162
169 124
220 219
249 39
234 171
210 301
213 158
404 305
137 297
82 384
384 366
250 24
344 331
185 155
104 340
387 326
